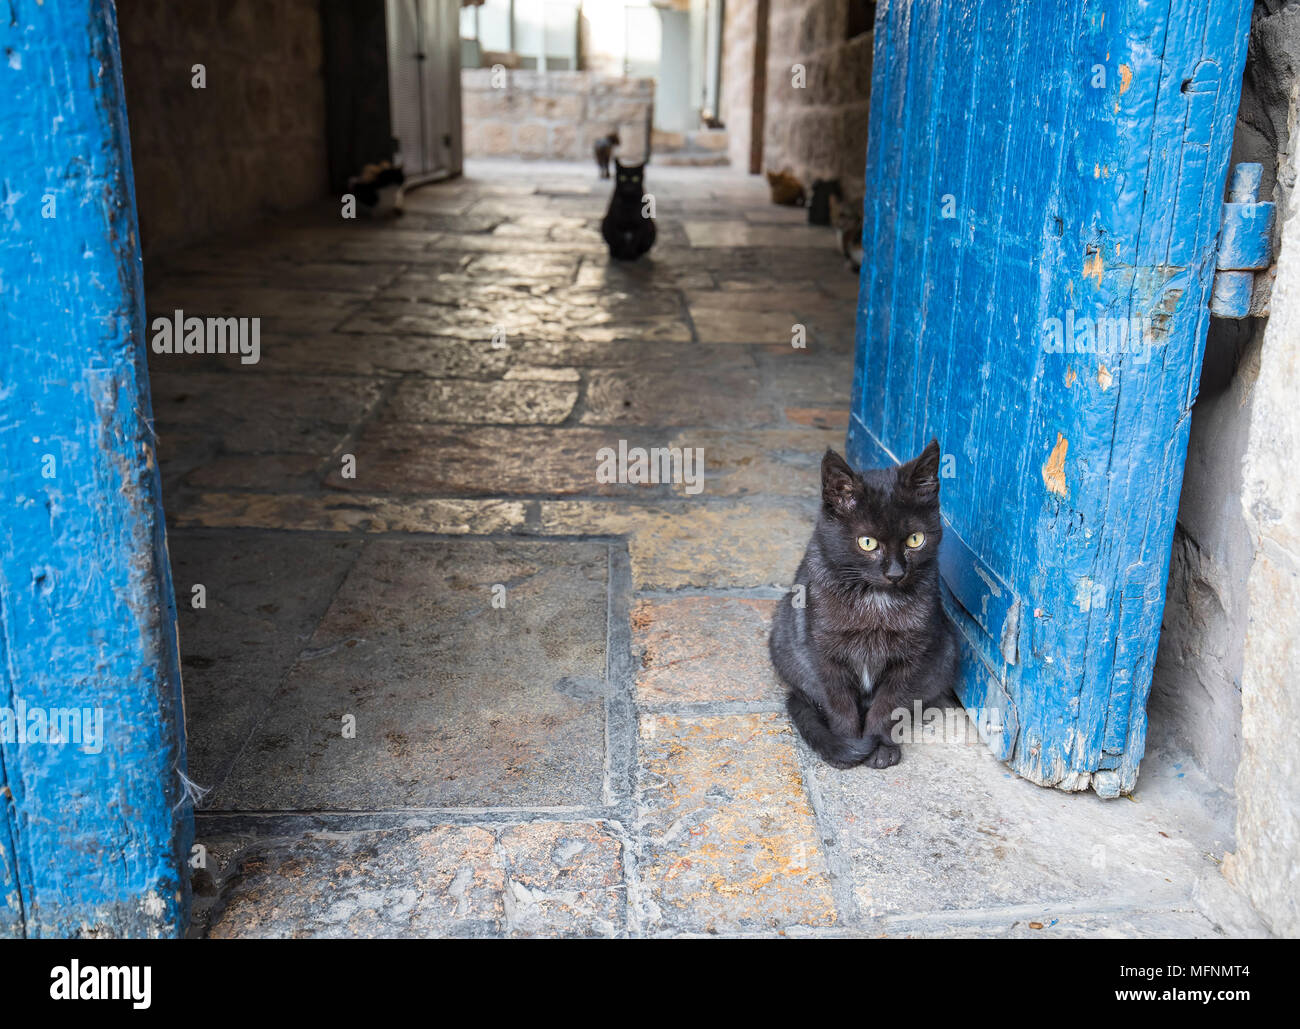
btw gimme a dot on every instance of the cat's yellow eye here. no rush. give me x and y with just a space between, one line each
915 540
868 543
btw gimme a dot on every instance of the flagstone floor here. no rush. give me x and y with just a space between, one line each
444 681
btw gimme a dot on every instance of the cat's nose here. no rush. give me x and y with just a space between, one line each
895 574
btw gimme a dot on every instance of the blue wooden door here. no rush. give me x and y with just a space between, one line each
1044 180
95 824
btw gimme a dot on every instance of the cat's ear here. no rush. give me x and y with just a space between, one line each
921 474
839 485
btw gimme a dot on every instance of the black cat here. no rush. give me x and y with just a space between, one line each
626 228
604 150
871 637
819 208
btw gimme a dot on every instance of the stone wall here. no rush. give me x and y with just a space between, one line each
249 144
1266 863
816 129
819 130
1196 695
554 115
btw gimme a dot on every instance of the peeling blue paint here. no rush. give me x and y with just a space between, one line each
93 837
1082 149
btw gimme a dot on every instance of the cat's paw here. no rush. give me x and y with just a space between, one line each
885 755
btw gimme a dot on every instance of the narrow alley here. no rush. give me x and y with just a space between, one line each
440 679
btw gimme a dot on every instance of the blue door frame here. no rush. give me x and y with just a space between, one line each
94 827
1041 172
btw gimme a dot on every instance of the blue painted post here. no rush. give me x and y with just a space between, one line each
94 830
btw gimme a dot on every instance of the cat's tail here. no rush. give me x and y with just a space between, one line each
840 751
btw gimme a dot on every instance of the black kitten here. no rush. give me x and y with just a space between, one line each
604 150
626 228
819 208
871 637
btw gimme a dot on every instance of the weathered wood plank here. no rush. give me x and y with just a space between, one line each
1036 169
94 830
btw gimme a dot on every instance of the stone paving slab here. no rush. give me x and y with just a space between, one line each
262 413
772 462
747 234
466 401
706 389
283 310
505 271
179 452
563 878
1020 924
262 597
719 324
362 355
951 835
449 357
347 513
454 702
651 272
257 472
818 417
490 243
703 649
681 544
803 378
530 879
728 840
523 317
334 277
492 461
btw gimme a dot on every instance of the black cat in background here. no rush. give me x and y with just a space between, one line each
628 229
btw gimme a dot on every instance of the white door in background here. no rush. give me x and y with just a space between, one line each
673 109
424 85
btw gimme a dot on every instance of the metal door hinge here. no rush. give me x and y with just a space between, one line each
1243 276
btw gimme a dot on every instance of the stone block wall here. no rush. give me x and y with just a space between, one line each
554 115
815 126
1266 863
252 143
818 130
1196 694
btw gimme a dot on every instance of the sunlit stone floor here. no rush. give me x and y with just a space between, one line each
448 682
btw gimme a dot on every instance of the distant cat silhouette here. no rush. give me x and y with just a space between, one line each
819 208
626 228
786 189
604 150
